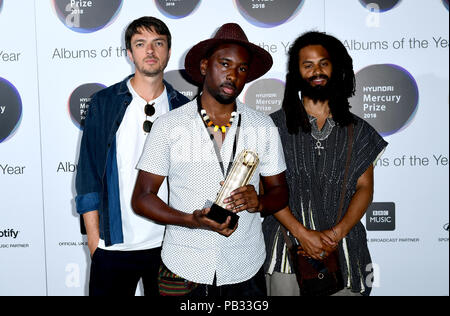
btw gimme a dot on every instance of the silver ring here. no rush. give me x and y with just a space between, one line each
322 254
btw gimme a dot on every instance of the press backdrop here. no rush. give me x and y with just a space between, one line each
55 54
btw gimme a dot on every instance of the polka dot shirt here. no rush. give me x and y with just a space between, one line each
179 148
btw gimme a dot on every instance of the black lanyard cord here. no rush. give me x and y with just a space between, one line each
216 146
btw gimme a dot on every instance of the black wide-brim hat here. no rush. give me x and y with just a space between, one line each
261 60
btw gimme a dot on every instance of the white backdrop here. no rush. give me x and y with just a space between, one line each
45 55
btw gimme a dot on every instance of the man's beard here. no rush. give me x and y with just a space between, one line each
224 99
152 72
317 93
221 98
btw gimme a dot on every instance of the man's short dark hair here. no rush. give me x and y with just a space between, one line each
150 24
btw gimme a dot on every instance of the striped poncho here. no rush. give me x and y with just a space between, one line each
315 183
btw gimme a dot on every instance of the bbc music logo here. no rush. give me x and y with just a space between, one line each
10 110
87 16
387 97
177 9
380 5
380 216
268 13
79 102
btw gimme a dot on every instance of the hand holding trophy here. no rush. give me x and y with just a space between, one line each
241 172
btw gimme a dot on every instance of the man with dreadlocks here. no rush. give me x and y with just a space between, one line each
313 126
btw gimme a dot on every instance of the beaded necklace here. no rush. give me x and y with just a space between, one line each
216 147
210 123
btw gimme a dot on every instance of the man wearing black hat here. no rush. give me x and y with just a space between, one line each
194 147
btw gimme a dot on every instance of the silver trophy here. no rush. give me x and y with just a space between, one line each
241 172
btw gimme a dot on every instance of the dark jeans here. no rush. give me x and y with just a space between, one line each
115 273
255 287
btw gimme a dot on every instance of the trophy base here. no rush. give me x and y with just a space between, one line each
220 215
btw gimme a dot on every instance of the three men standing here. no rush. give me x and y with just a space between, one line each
193 147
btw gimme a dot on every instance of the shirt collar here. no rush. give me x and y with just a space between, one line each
239 107
313 120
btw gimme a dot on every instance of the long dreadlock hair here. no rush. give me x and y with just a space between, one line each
343 78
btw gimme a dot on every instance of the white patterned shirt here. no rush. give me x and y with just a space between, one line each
179 148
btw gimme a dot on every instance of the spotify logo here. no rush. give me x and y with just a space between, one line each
79 102
379 5
265 95
177 9
87 16
268 13
10 110
386 96
179 79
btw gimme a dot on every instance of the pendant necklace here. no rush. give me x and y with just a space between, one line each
321 135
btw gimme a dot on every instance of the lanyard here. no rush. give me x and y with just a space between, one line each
216 146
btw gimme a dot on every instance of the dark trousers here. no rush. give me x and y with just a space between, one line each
115 273
255 287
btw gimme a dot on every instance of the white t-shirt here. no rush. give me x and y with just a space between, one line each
139 233
180 149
